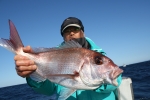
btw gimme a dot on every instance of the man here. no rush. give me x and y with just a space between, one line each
71 28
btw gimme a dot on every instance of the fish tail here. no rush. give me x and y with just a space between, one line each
14 42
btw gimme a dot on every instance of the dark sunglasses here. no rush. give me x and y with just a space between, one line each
75 30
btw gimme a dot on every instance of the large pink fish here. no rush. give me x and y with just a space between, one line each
70 65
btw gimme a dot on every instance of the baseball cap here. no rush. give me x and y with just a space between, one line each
71 21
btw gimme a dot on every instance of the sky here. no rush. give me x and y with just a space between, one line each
120 27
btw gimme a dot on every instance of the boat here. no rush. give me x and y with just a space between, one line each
124 65
125 90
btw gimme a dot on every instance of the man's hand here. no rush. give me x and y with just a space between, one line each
24 66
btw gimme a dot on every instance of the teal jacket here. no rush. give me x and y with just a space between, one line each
104 92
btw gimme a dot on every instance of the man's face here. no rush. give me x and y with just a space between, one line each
72 33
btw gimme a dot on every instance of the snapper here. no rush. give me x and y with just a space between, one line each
69 65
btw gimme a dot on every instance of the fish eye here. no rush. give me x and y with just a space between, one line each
98 60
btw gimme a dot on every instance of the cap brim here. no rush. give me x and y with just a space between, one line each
76 25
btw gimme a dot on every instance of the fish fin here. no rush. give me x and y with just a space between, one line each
65 93
59 78
7 44
37 76
70 44
14 42
42 49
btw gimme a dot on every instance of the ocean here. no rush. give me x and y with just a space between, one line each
138 72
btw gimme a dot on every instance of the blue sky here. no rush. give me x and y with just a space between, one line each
120 27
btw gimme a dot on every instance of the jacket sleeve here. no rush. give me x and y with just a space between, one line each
45 87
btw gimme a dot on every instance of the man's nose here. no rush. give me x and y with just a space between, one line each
72 33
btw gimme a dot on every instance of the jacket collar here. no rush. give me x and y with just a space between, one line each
94 47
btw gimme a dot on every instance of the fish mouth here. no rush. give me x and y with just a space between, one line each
116 73
114 76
